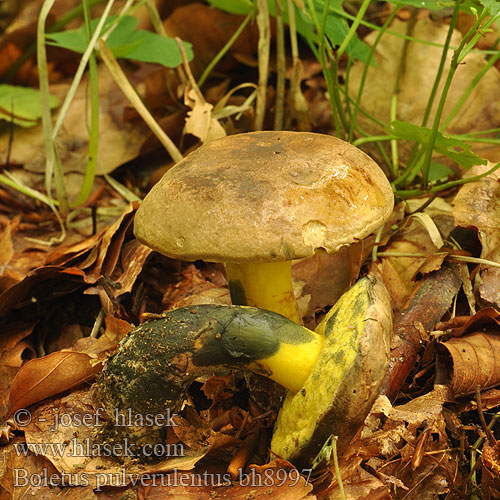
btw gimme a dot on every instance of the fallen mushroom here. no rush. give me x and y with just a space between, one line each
333 378
345 381
256 201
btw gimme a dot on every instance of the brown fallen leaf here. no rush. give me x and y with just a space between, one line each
43 377
59 371
27 73
192 289
132 259
33 476
6 247
410 449
208 30
39 284
477 205
32 225
327 276
470 361
415 238
488 317
272 481
117 264
73 254
219 388
200 121
14 350
27 147
64 432
490 480
110 245
360 485
417 79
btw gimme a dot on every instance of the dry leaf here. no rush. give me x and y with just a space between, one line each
194 289
208 30
481 110
34 476
490 480
269 482
200 120
69 427
471 361
477 205
417 427
399 272
360 485
133 257
28 147
6 247
43 377
39 284
71 254
488 317
14 350
327 276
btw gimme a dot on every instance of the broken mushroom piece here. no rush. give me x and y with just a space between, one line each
345 381
334 378
256 201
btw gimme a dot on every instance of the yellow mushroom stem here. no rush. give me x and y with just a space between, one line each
267 285
292 363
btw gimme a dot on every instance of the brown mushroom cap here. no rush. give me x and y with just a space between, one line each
265 196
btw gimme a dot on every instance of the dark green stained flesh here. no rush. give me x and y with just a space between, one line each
156 362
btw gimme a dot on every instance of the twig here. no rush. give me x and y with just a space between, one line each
187 69
127 88
489 434
154 15
427 305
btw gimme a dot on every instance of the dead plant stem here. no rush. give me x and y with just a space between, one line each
281 67
264 45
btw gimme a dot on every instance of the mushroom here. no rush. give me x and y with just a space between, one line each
344 382
256 201
333 376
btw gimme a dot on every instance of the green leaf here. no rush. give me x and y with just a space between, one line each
126 42
238 7
492 5
425 4
21 105
459 151
336 26
439 170
469 6
336 29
